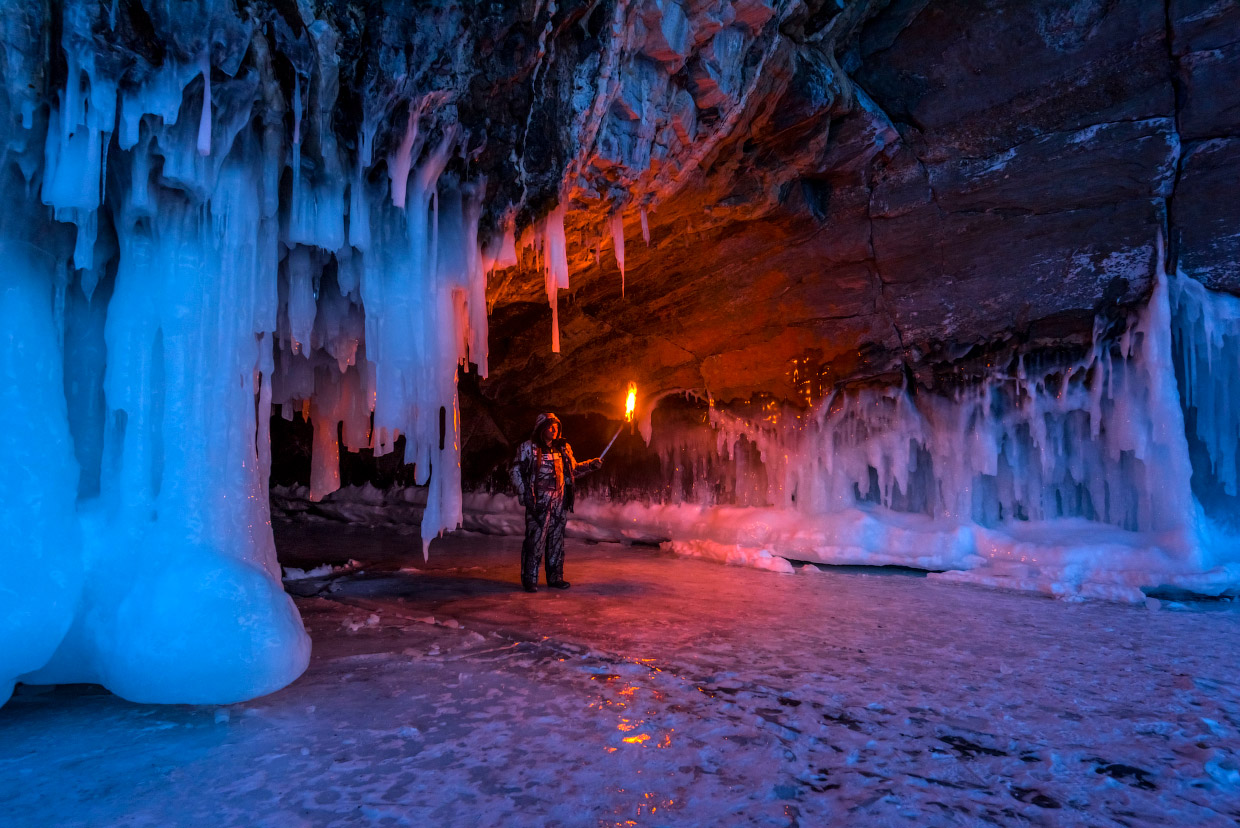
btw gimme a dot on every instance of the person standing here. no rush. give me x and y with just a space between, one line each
543 476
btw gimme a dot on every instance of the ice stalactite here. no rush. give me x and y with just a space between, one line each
547 240
504 252
211 261
616 225
1082 440
555 266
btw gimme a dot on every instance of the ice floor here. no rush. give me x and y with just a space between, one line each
662 691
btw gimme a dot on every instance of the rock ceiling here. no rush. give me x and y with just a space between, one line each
832 190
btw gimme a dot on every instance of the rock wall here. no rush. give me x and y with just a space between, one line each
903 185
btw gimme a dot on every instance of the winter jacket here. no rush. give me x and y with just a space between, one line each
525 469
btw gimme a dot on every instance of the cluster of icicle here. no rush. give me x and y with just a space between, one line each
1101 440
205 264
546 239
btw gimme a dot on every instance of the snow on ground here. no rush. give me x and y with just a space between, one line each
1068 558
661 691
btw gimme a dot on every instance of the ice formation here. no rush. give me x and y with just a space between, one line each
1075 478
616 226
197 258
1107 475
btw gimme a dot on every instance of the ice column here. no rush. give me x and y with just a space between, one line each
183 600
41 551
184 296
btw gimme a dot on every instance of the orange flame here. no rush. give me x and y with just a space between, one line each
630 403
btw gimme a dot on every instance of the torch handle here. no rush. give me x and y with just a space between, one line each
613 440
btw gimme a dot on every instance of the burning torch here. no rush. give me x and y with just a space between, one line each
630 404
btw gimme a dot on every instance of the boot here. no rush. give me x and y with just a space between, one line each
529 586
560 584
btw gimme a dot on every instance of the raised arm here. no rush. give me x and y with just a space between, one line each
584 467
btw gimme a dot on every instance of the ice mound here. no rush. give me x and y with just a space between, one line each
184 625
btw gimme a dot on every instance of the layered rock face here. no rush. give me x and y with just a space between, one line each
900 184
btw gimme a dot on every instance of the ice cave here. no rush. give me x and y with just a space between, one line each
907 333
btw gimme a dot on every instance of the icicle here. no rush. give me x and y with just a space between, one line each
297 115
616 222
556 266
507 254
204 121
476 274
645 227
400 162
301 300
325 452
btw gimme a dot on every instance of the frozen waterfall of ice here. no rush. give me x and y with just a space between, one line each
1075 479
177 260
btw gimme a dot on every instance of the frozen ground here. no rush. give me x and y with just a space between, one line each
662 691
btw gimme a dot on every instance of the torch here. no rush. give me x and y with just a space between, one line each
630 404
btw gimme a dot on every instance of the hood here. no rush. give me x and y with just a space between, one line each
541 421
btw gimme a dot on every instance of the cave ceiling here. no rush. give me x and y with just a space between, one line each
832 192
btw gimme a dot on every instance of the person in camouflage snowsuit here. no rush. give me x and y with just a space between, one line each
543 475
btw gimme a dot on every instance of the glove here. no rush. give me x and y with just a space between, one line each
596 464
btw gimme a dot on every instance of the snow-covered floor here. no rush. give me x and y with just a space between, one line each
662 691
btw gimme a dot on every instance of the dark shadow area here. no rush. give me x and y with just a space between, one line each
857 569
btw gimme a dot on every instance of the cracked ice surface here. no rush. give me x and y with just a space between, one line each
663 691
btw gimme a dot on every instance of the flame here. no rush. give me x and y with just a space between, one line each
630 403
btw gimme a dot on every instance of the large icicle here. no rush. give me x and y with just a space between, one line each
555 266
183 490
616 224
